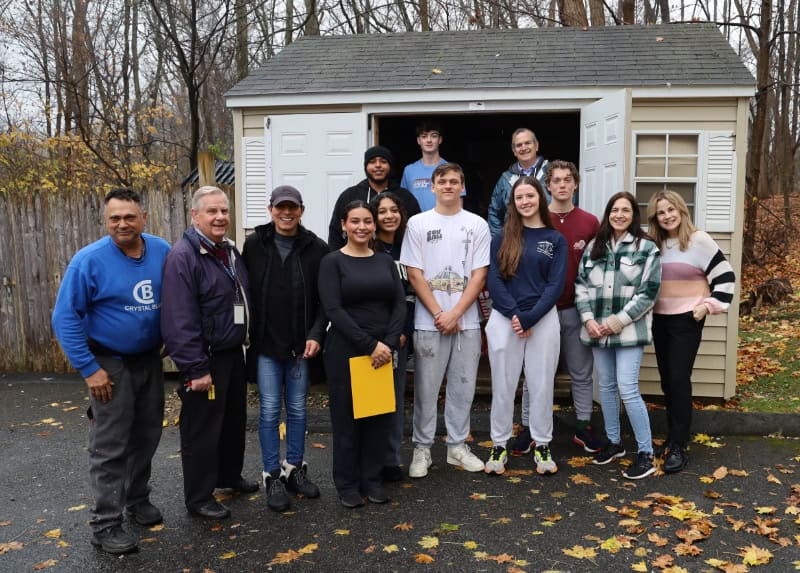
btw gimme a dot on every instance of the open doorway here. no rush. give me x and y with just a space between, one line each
481 144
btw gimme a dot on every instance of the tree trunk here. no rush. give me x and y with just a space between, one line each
242 50
628 10
573 13
597 11
289 22
753 177
424 18
312 19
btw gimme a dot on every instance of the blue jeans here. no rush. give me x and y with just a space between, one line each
273 376
618 373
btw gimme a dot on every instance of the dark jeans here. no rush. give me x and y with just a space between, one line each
676 338
124 435
213 431
360 447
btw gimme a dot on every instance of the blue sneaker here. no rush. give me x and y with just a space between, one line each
523 443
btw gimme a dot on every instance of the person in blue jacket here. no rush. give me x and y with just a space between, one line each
106 318
526 276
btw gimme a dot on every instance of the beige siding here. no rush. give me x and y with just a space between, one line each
715 367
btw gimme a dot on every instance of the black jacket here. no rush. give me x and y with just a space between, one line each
364 192
258 255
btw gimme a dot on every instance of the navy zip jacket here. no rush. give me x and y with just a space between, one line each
197 297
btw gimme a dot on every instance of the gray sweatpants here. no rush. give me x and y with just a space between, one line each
457 356
579 362
123 436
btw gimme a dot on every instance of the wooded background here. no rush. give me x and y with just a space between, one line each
95 95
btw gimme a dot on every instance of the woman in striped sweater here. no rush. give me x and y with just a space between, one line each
696 280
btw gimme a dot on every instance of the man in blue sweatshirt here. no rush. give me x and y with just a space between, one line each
107 319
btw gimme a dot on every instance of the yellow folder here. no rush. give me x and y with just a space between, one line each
373 389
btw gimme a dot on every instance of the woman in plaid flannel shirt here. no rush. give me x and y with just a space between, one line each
617 284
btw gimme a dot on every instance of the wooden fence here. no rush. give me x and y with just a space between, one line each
40 232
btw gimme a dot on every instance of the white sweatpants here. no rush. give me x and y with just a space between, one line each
508 354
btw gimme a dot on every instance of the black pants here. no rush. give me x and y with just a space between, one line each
213 431
676 338
360 446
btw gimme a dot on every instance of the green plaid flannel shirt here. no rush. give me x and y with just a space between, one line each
625 283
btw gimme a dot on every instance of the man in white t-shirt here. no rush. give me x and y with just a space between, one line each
446 252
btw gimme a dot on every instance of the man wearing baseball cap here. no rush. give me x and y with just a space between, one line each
377 165
286 330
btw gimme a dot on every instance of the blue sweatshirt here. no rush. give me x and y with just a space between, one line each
539 279
112 299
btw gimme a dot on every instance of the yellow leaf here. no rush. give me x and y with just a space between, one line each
612 545
282 431
640 566
158 527
436 71
753 555
393 548
44 564
470 545
579 552
600 496
70 409
581 479
341 532
77 507
10 546
53 533
423 558
706 479
478 496
287 557
405 526
310 548
701 438
428 542
773 479
486 444
765 510
48 420
228 555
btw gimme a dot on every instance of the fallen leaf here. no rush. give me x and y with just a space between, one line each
285 557
486 444
753 555
579 552
5 523
663 561
393 548
687 549
640 566
771 478
341 532
228 555
310 548
53 533
70 409
405 526
657 540
428 542
158 527
471 545
581 479
318 446
77 507
370 549
720 473
44 564
10 546
423 558
478 496
436 71
766 510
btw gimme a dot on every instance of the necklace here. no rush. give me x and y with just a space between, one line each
562 216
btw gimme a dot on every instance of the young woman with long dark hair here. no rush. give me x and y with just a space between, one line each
526 276
616 287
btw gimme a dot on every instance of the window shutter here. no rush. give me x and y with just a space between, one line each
720 182
255 181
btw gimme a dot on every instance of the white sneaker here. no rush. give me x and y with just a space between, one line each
461 455
420 463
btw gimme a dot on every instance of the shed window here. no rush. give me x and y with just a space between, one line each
665 161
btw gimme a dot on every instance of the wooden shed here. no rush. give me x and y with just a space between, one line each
637 108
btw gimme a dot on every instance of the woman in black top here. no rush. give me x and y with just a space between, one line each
363 297
391 218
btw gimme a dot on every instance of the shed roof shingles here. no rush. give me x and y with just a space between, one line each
679 54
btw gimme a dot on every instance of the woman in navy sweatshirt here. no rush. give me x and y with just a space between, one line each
526 276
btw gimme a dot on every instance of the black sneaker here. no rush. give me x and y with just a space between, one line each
676 460
145 513
297 481
523 443
378 496
275 490
351 500
114 540
586 439
609 452
392 473
641 468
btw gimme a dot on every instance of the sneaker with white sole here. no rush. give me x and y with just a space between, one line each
461 455
497 461
522 443
610 452
641 467
420 463
544 460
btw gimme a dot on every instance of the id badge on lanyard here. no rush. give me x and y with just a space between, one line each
238 313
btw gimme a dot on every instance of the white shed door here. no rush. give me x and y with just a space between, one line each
604 131
319 154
